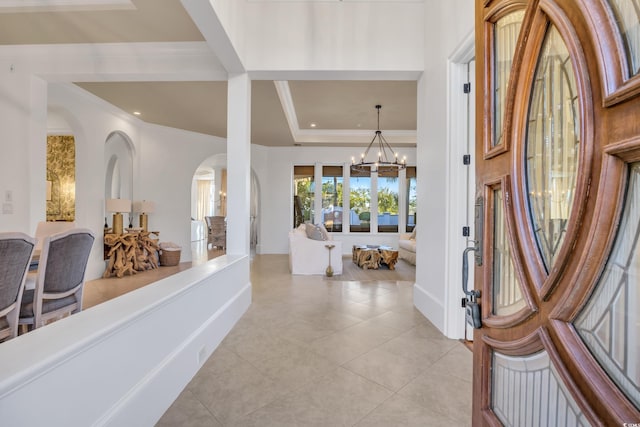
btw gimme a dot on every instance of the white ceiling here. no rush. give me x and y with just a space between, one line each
282 112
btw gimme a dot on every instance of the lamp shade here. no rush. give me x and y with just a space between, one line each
144 206
118 205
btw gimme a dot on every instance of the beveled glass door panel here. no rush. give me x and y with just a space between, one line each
528 391
627 13
609 324
506 31
562 218
552 144
507 292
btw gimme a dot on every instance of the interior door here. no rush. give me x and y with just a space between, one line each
558 170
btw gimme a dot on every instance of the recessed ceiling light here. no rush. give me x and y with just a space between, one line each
313 124
137 113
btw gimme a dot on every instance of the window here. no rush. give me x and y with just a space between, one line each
412 198
360 201
303 194
332 197
388 200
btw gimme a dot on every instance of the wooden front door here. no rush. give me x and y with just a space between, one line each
558 172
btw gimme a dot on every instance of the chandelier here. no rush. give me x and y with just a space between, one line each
386 156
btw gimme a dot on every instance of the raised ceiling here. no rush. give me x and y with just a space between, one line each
282 112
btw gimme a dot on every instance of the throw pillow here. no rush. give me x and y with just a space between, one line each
413 233
325 233
314 232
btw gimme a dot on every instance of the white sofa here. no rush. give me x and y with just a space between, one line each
308 256
407 247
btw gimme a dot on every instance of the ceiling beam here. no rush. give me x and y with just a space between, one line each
14 6
179 61
206 19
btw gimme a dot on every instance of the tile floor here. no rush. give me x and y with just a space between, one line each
317 352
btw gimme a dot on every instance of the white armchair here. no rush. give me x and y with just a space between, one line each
308 256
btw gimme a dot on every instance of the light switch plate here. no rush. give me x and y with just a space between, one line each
8 196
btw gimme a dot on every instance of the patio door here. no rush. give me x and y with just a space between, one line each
558 177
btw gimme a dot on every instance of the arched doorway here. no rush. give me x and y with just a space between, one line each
118 183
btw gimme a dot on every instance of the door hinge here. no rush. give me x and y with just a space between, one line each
466 87
466 231
466 159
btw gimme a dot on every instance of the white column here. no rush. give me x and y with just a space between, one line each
317 195
402 201
374 203
346 202
238 163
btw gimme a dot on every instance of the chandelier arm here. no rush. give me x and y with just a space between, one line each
387 145
366 152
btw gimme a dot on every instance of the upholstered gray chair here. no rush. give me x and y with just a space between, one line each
16 250
60 278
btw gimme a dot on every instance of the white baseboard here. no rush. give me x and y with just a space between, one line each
429 306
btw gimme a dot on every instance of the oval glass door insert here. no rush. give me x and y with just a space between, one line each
552 146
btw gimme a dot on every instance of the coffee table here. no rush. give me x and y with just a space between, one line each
372 256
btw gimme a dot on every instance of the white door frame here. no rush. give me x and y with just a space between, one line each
458 186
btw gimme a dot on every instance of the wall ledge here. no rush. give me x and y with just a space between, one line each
141 347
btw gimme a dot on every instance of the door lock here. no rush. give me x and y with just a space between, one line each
472 310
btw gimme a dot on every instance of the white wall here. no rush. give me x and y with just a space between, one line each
168 160
325 36
455 18
23 148
274 168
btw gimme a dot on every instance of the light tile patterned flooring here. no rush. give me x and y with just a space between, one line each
317 352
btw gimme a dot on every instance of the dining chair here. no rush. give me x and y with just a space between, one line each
60 278
216 231
16 250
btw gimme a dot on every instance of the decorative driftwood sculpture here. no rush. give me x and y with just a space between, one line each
389 257
130 253
366 258
371 258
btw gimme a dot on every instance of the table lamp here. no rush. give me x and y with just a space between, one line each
117 206
144 207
